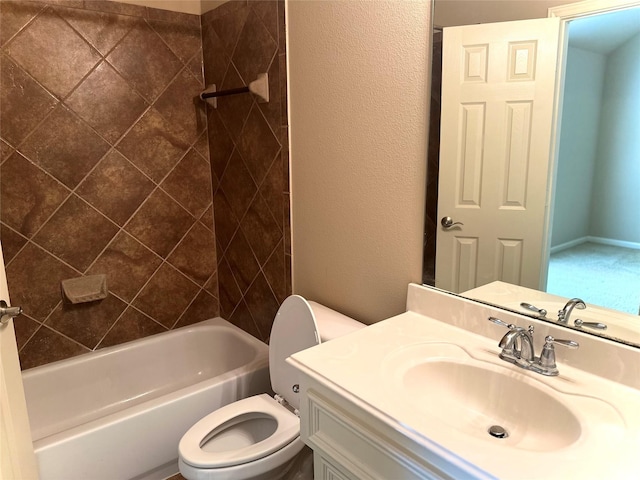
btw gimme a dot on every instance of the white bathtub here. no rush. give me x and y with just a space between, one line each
119 413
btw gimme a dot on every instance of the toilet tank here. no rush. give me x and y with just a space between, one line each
332 324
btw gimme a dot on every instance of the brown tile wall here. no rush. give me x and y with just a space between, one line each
249 161
105 169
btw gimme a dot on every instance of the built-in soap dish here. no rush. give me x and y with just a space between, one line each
85 289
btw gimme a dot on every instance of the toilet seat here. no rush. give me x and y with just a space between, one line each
258 406
256 437
294 329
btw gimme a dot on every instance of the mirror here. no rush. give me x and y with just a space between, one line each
583 175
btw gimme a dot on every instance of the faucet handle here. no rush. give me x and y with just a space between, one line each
547 359
497 321
510 326
540 311
549 340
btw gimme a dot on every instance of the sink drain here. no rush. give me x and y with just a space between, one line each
497 431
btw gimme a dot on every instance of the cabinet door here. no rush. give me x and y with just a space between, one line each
346 447
498 94
325 469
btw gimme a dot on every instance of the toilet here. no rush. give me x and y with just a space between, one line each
259 437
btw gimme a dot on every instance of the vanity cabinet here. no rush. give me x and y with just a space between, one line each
350 443
416 396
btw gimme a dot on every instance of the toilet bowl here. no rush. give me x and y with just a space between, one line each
259 437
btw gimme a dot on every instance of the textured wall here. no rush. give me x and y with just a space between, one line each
358 74
250 162
104 170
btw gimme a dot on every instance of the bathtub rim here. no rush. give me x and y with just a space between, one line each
215 321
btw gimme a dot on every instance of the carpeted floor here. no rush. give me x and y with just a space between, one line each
599 274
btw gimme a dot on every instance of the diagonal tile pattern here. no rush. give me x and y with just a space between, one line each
180 105
103 170
166 296
256 47
249 158
116 188
111 165
29 196
160 223
233 109
66 233
14 16
65 147
145 61
128 265
181 32
102 30
154 145
257 144
193 255
133 324
53 53
106 102
190 183
23 102
12 242
86 323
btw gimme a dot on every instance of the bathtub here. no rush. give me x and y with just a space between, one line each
119 413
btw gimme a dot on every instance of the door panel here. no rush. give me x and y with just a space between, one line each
498 87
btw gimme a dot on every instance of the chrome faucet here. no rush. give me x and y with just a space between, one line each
517 344
563 315
517 348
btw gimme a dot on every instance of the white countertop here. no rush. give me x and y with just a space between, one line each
362 364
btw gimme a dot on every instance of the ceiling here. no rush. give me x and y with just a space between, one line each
605 33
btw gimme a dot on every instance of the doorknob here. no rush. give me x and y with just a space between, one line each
7 312
447 223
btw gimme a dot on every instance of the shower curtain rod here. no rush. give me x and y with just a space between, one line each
259 87
224 93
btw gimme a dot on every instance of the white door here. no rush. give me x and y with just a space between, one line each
498 90
17 460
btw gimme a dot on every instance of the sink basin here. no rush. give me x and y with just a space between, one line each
467 394
472 399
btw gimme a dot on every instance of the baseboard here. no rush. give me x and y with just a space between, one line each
571 244
600 240
613 242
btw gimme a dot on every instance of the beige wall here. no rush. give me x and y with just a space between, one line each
448 13
197 7
358 83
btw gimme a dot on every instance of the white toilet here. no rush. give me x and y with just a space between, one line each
259 437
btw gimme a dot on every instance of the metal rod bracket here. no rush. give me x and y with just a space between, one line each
213 101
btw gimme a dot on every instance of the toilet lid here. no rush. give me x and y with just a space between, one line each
287 430
294 329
